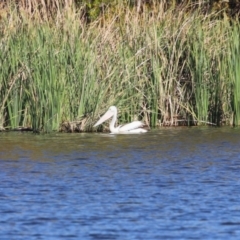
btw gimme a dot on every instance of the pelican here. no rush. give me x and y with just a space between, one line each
133 127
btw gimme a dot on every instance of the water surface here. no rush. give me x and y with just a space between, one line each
172 183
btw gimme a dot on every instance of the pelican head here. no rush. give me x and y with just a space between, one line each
112 111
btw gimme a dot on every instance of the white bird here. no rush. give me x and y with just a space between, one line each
133 127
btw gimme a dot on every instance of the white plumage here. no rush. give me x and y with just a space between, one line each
133 127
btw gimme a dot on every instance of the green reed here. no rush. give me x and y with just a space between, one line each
164 68
234 65
200 67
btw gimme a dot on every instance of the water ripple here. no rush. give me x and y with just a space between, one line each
167 184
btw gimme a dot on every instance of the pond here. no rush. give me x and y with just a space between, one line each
171 183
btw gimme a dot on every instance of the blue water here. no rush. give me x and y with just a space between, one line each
173 183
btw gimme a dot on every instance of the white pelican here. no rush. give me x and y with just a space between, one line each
133 127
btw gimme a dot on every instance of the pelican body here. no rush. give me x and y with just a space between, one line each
133 127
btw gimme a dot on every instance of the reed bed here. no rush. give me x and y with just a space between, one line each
166 67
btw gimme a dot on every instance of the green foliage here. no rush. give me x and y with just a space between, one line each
165 67
234 65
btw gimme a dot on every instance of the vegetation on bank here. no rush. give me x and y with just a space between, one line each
166 66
